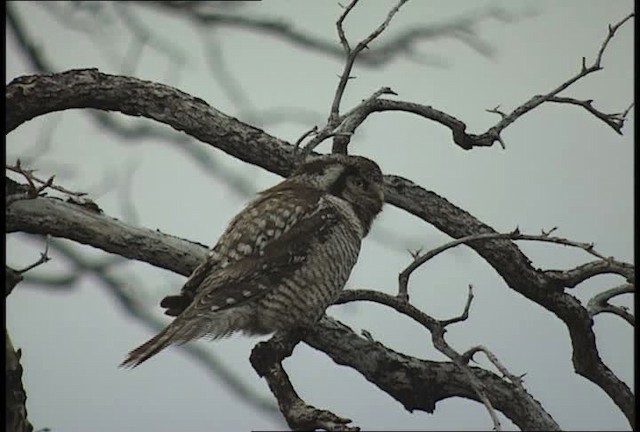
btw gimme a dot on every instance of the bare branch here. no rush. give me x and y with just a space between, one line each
615 121
352 54
612 31
465 140
66 220
339 25
400 306
600 303
437 329
44 257
535 101
403 278
496 110
572 277
312 131
465 312
516 380
45 184
137 130
333 126
266 358
418 384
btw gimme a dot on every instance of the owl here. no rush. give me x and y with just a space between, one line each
282 260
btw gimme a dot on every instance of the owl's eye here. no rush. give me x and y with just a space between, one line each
358 182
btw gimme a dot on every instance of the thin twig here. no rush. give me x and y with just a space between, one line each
535 101
44 257
352 54
403 277
300 157
339 25
615 120
515 379
31 178
465 312
335 119
496 110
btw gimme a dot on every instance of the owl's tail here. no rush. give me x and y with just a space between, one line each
154 345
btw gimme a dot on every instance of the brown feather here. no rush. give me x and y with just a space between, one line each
150 348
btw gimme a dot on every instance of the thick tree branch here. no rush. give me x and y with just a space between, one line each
52 216
420 384
266 358
34 95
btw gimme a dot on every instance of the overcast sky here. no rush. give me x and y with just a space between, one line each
561 167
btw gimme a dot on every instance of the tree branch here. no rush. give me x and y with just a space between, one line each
572 277
419 384
419 259
437 328
352 54
600 303
346 124
333 125
266 358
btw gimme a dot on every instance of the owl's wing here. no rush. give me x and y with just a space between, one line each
269 237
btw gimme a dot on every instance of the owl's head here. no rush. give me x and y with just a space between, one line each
355 179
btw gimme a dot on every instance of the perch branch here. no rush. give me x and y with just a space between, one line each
266 358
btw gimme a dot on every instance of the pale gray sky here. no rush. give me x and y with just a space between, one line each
561 168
